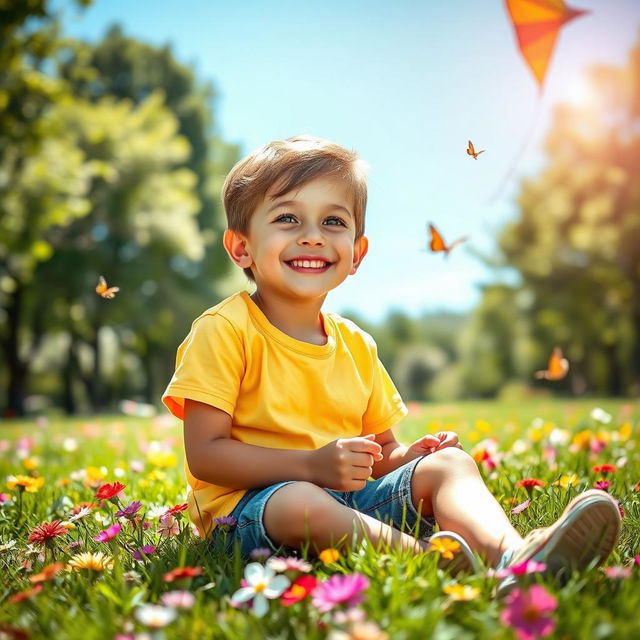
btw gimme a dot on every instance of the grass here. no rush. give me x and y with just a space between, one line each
406 597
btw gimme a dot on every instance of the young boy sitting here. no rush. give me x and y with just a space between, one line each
288 411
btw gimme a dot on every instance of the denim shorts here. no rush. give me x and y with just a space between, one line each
388 499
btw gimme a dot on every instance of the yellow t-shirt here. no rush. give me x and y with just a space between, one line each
280 392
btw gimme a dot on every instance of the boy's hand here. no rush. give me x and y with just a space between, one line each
345 464
434 442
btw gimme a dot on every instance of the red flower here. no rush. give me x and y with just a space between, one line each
530 483
47 531
604 468
108 491
182 572
177 509
302 586
636 487
26 594
621 510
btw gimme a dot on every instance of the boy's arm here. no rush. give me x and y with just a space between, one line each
213 456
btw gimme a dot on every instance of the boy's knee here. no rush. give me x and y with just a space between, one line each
450 459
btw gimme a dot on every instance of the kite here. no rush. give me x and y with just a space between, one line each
537 24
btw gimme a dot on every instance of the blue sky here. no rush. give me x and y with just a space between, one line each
404 83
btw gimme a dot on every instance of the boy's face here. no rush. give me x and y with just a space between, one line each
301 245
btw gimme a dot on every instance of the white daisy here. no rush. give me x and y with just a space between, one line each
263 584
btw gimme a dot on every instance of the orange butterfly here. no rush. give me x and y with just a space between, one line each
557 368
104 291
472 152
437 242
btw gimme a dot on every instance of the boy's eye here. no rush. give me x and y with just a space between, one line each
285 217
333 221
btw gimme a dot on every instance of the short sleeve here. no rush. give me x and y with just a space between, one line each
385 406
210 365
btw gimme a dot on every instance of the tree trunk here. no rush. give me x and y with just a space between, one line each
18 369
68 375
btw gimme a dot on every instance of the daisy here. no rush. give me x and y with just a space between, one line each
262 584
92 561
47 531
155 616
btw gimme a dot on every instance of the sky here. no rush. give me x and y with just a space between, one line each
405 84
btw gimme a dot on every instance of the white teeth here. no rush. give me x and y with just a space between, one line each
309 264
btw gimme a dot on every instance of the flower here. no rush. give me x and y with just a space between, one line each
168 526
262 584
527 566
603 485
288 564
327 556
360 630
130 510
80 513
92 561
145 550
461 592
110 491
340 589
180 573
7 545
604 468
527 612
617 573
108 534
26 594
178 599
47 573
47 531
155 616
260 553
178 508
445 547
530 483
25 483
636 559
225 522
566 481
521 507
600 415
302 586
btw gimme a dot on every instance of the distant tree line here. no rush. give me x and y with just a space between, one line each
111 164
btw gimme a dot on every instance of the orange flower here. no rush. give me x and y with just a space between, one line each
604 468
530 483
182 572
445 547
47 573
47 531
327 556
108 491
25 483
26 594
300 589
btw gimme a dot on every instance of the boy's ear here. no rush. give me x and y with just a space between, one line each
360 248
235 246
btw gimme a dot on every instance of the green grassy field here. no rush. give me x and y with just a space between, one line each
61 588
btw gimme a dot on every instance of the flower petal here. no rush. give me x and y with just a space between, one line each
254 573
244 594
260 605
276 587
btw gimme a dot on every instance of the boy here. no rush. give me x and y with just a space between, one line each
288 411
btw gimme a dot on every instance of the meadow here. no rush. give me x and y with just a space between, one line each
84 557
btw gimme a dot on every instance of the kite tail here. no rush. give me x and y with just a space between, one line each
521 150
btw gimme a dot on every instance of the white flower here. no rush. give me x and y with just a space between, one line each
263 583
559 437
153 615
69 444
84 511
119 472
156 511
7 545
600 415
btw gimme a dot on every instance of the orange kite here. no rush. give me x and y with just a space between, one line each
537 24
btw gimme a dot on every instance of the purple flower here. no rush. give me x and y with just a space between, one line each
228 521
130 510
260 553
147 550
340 589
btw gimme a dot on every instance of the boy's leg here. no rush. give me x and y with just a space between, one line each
302 511
448 485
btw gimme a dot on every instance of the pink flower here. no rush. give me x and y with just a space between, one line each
168 526
178 599
520 507
637 560
289 563
528 566
144 551
108 534
340 589
603 485
526 612
617 573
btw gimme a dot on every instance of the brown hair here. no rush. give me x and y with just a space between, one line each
291 163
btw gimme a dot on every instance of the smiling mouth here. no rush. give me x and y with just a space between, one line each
309 266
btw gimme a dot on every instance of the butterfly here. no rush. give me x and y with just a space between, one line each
556 369
104 291
437 242
472 151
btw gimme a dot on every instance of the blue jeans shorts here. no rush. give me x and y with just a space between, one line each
388 499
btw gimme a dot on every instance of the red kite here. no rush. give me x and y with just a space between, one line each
537 24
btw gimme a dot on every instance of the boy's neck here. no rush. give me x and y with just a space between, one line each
299 320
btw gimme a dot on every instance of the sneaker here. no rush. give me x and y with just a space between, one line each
463 560
587 530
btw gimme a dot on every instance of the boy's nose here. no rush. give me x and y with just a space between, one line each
311 237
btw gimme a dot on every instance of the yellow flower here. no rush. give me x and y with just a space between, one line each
445 547
461 592
566 481
625 431
483 426
94 475
25 483
92 561
162 458
31 463
582 439
157 475
329 555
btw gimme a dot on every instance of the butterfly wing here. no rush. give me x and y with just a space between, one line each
457 242
104 291
437 241
101 287
558 365
470 149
